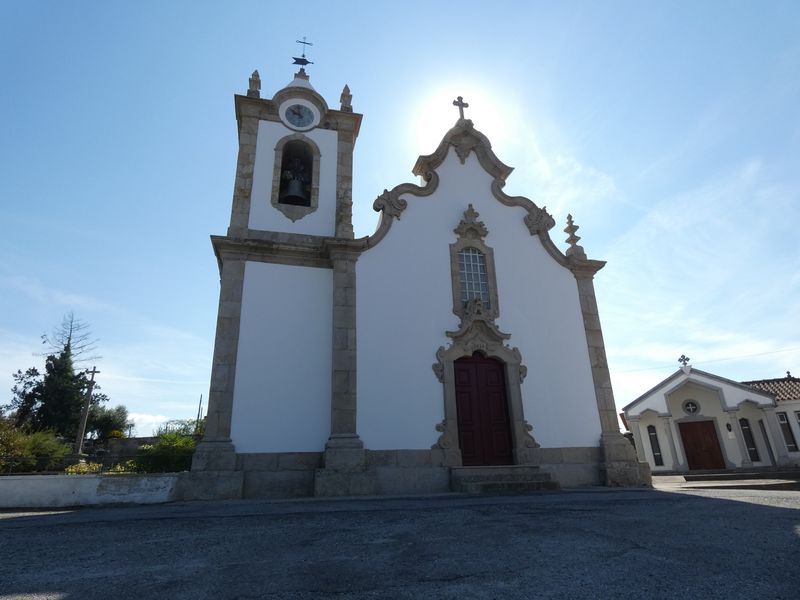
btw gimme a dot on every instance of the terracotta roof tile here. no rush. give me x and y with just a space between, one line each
784 388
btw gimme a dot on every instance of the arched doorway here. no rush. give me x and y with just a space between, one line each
484 429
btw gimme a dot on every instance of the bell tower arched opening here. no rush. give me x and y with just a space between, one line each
297 168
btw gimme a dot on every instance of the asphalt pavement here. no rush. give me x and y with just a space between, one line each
599 543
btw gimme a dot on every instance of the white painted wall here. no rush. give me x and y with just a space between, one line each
732 395
719 402
282 390
265 217
49 491
405 305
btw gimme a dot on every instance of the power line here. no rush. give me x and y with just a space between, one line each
714 360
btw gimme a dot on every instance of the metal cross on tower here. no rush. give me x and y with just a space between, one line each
303 60
684 360
459 102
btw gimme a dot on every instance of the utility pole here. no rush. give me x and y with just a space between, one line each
85 412
199 413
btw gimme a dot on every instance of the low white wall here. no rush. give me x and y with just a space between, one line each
51 491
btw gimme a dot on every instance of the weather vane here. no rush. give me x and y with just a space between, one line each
303 61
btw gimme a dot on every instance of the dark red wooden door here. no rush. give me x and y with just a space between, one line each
701 445
484 431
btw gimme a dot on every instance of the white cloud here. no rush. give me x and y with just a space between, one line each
34 289
146 424
701 274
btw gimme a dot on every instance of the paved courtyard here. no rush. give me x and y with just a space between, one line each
586 544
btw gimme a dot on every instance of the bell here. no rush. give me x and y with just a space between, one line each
294 194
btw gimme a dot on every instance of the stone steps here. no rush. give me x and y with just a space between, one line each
500 479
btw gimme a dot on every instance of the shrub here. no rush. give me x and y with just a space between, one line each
46 450
171 453
116 433
129 466
11 446
83 468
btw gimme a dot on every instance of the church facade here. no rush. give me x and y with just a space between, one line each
699 421
455 344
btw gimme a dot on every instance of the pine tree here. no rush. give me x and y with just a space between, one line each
53 400
61 395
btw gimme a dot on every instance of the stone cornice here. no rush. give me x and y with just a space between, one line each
289 249
263 109
584 267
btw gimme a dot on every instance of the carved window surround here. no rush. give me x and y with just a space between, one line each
291 211
479 333
470 233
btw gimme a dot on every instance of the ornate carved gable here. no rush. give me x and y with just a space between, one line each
464 139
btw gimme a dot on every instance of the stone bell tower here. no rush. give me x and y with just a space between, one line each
294 172
273 363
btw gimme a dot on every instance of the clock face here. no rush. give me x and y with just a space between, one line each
299 115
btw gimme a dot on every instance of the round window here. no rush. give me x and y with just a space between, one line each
690 407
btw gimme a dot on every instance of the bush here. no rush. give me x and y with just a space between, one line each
116 433
171 453
22 452
45 450
129 466
11 446
83 468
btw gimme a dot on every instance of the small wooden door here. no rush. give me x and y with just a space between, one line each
484 429
701 445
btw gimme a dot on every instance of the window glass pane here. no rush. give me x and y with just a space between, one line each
656 447
472 276
786 429
749 440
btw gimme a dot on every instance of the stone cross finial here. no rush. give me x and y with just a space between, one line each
459 102
572 240
684 360
346 98
254 85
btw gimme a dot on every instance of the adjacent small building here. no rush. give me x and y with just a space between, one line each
695 420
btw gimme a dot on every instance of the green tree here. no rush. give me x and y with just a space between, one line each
102 421
53 400
60 396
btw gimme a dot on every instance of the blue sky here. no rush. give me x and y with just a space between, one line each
670 130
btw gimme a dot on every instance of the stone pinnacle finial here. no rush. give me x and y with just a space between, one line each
254 85
572 240
346 99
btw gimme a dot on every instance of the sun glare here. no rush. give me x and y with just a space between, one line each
434 114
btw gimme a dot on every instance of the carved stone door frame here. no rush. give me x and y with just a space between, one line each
479 333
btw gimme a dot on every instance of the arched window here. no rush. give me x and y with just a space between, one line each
472 276
297 165
472 267
655 446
